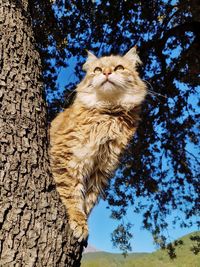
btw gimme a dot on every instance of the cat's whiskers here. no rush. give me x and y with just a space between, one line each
85 92
68 98
151 92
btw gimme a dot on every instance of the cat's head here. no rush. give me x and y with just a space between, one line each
113 80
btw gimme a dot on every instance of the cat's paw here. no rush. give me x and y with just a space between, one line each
80 229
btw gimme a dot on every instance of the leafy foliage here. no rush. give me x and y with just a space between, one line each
159 172
121 237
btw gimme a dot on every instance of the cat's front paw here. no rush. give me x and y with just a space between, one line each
79 228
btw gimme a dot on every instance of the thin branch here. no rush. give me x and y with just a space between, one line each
191 154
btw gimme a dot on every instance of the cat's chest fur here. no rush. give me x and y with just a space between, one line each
100 137
91 140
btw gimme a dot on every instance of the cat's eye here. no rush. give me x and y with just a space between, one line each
98 69
119 67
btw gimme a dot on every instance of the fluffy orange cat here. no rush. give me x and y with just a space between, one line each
88 138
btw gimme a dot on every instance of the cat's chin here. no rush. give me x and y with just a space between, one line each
107 86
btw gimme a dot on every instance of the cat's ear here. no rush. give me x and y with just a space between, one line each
91 57
132 56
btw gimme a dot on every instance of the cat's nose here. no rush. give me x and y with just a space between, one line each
107 72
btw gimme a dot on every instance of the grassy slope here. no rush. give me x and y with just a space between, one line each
185 258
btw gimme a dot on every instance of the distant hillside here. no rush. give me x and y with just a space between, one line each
160 258
105 259
90 248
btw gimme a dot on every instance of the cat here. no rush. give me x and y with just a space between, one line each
88 138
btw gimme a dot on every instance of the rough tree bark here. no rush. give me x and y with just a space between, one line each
33 224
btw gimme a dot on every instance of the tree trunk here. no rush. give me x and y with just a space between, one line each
33 224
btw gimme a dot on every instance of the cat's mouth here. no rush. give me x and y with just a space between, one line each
107 81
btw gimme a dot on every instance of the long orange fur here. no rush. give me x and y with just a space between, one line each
88 138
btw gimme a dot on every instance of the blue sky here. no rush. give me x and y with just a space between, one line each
101 226
100 223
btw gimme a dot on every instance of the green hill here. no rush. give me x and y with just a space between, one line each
160 258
